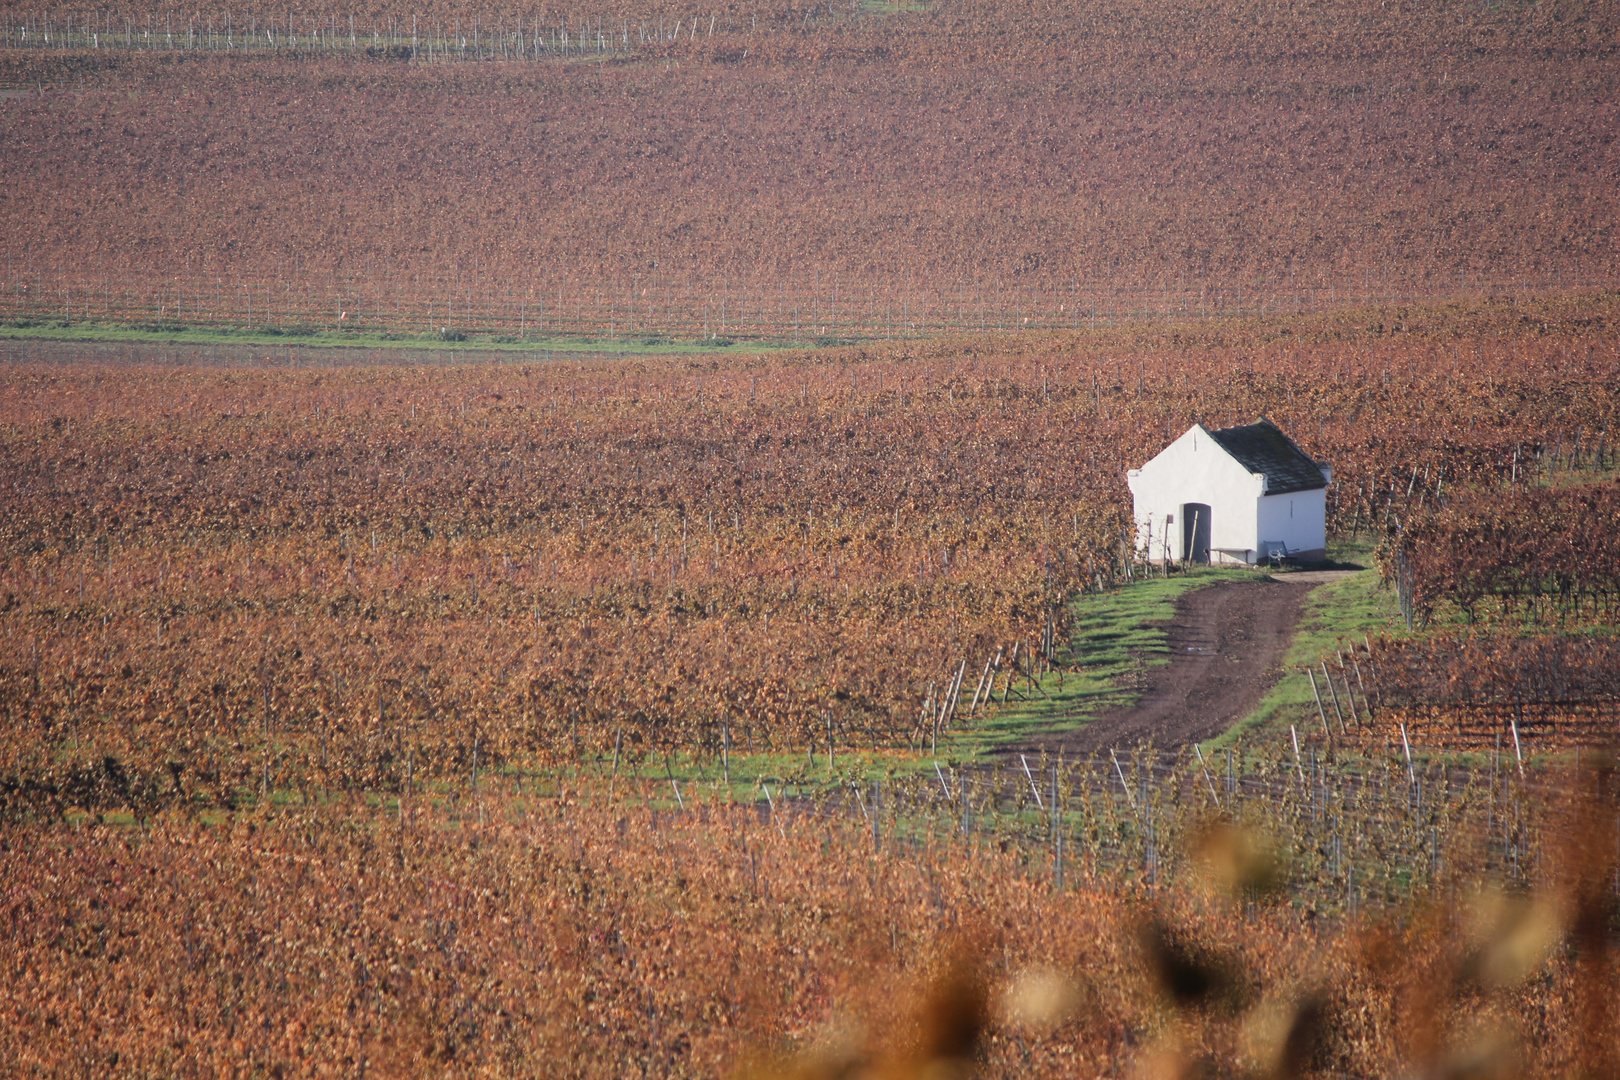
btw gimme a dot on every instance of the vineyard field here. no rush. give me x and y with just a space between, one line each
970 167
592 541
273 576
1516 588
588 932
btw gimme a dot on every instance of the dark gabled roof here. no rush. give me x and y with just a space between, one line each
1263 448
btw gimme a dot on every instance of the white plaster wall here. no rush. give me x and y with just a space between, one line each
1298 519
1194 469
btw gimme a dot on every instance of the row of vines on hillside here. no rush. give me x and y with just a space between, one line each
1493 689
239 578
877 177
581 929
1548 552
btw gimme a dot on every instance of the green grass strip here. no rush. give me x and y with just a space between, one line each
1113 636
305 337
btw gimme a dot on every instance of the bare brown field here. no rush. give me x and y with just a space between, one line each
971 167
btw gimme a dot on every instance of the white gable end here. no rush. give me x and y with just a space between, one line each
1197 460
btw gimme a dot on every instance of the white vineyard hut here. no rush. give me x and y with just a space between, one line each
1238 495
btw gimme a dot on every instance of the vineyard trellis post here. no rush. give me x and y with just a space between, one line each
1334 694
1057 833
1320 712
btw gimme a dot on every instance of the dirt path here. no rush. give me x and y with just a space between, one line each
1226 647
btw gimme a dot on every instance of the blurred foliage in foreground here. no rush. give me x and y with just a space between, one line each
586 931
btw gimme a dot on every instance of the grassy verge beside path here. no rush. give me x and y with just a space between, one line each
304 337
1335 615
1114 636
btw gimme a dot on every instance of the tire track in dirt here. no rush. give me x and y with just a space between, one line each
1226 645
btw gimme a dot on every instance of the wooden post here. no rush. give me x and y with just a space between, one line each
1320 712
1032 786
1349 691
933 721
1057 832
1349 694
676 788
1129 798
1012 675
1207 781
1366 702
988 673
1334 694
953 695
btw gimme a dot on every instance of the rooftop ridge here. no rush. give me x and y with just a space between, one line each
1263 447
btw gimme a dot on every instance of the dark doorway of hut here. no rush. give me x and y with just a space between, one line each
1195 533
